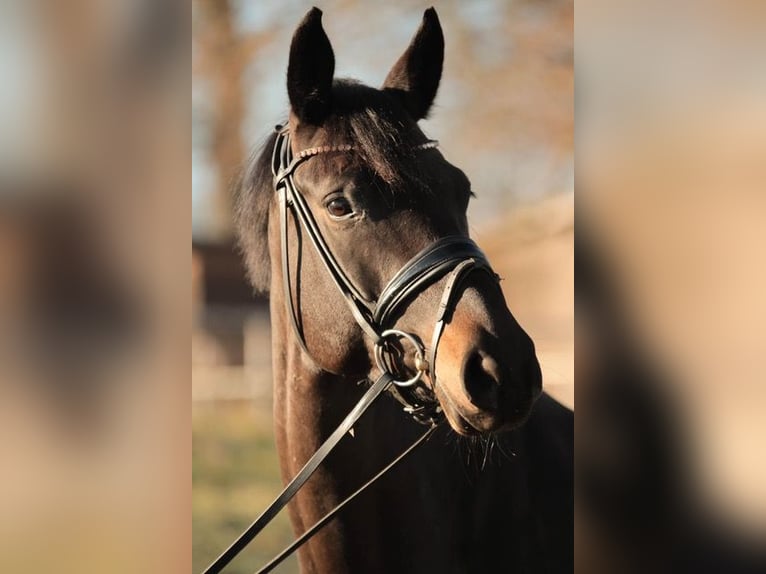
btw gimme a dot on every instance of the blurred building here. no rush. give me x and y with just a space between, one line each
231 340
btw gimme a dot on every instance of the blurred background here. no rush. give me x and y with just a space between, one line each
504 113
671 237
95 286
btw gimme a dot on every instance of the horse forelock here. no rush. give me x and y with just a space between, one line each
384 138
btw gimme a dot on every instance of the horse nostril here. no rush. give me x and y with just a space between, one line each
481 377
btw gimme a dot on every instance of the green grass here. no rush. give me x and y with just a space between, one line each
235 475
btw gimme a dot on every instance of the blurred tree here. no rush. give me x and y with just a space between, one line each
220 58
504 111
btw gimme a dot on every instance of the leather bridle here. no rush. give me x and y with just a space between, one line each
453 257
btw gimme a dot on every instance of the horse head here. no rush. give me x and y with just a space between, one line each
378 195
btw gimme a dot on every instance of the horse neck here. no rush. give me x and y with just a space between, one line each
309 404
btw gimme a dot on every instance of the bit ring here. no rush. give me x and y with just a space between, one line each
421 364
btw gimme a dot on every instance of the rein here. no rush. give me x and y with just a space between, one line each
453 256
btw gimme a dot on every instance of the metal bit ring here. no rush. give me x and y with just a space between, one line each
420 355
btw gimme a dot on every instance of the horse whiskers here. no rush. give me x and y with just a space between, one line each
492 443
505 454
478 448
464 444
487 451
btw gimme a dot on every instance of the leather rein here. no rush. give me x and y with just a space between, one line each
452 256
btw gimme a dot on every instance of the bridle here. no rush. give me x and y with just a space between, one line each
456 255
453 257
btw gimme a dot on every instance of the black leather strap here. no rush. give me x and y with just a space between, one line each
300 479
286 283
425 268
283 166
306 536
446 305
351 294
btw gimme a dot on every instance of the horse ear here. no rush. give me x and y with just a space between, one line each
311 69
415 76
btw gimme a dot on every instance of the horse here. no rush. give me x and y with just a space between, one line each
491 489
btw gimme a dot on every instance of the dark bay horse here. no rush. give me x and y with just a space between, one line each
491 489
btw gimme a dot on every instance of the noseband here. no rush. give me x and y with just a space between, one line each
454 256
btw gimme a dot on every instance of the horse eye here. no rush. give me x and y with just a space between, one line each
339 207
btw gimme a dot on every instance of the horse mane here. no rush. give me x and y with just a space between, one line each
253 197
384 139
